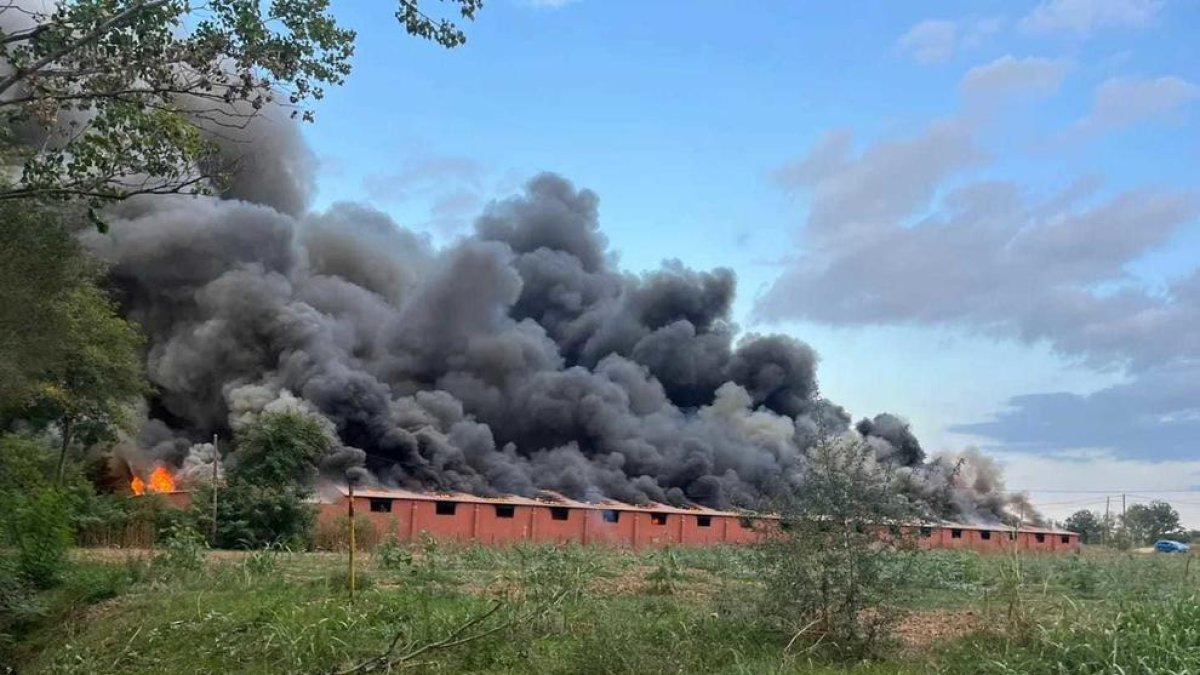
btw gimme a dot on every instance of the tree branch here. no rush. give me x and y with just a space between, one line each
91 36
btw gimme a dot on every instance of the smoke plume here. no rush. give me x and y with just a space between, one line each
518 360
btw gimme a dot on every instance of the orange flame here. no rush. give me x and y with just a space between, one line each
160 481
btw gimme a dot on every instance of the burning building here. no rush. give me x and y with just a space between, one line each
516 361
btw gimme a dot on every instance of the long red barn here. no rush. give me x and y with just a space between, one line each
407 515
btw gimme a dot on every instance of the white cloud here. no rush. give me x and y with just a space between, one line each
930 41
938 40
1084 17
1123 102
1010 75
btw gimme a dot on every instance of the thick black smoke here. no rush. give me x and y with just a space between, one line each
516 360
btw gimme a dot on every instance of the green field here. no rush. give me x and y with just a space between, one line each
580 610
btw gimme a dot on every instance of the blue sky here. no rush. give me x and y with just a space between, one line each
982 216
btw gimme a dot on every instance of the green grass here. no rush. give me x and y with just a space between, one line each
576 610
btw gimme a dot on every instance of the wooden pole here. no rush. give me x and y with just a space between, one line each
1124 530
1107 521
350 501
216 460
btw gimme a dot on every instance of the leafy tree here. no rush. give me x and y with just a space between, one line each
280 448
88 394
1147 523
830 572
103 99
269 481
1089 524
68 358
40 264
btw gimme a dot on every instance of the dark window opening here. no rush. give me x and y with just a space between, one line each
658 518
956 534
786 525
611 516
704 521
926 532
1041 538
560 513
505 511
446 508
1012 535
746 523
379 505
1066 539
985 534
860 528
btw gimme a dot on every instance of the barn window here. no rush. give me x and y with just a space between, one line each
505 510
380 505
926 532
1041 538
1066 539
658 518
985 534
956 534
704 521
611 516
559 513
746 523
1012 535
446 508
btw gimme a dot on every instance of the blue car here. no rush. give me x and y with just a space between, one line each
1168 546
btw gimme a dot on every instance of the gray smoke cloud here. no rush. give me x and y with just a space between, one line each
516 360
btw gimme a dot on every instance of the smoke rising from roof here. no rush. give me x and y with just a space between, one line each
516 360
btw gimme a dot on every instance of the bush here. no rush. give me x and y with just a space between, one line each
39 529
334 534
183 551
830 576
253 516
392 555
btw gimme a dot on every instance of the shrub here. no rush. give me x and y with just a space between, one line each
251 516
334 534
39 529
392 555
830 576
183 551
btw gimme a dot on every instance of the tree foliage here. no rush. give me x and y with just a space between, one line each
103 99
40 265
1089 525
1147 523
280 448
68 358
264 500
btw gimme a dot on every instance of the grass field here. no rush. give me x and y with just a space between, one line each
574 610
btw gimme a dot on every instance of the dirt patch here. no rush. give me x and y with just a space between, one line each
919 630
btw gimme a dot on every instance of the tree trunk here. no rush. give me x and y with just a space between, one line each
66 443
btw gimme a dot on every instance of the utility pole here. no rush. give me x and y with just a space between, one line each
1124 529
350 502
216 461
1107 522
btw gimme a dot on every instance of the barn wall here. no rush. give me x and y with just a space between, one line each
502 523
